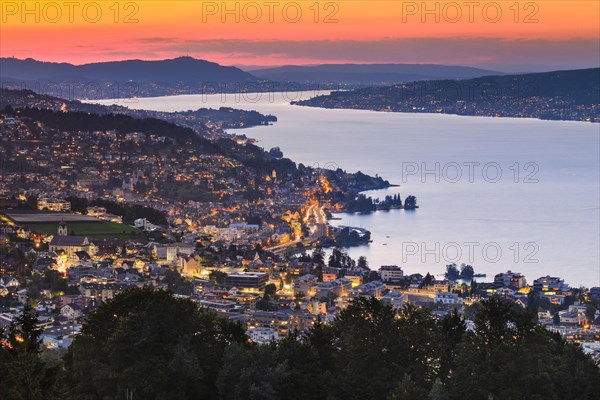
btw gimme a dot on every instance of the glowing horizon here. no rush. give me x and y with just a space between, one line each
501 33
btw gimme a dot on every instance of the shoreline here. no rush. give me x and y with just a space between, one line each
293 103
297 103
500 122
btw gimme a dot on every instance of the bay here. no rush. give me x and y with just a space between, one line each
497 193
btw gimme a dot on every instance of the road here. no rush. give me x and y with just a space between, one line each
318 212
320 220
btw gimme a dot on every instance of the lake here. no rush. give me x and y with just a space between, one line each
496 193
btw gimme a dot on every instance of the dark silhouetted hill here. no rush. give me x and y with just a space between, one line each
559 95
369 74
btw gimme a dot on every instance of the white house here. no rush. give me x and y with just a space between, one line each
447 298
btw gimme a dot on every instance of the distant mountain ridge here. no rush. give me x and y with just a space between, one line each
369 74
187 75
182 69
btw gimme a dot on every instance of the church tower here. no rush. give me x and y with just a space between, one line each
62 229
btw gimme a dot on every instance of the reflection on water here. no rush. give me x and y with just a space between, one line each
548 227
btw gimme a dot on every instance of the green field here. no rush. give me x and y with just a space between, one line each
92 229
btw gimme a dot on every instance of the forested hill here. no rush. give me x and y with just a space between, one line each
77 121
182 69
204 121
124 79
561 95
48 111
73 122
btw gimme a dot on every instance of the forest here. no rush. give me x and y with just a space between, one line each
150 345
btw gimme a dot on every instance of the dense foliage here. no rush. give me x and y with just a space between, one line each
121 124
466 272
157 347
151 344
249 154
365 204
24 375
362 204
350 237
375 352
129 212
232 118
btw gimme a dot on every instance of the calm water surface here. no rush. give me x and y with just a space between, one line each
530 205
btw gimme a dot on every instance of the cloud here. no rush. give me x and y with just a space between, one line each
573 53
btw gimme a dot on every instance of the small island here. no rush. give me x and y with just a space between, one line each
364 204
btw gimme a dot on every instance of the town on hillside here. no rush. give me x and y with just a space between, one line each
88 214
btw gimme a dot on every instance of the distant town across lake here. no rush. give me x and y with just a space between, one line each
496 193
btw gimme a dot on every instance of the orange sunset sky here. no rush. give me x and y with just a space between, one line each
507 35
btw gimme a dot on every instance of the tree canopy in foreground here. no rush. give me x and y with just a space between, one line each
150 345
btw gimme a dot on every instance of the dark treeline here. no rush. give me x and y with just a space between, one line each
250 155
122 124
338 259
232 118
350 237
150 345
453 273
362 203
129 212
